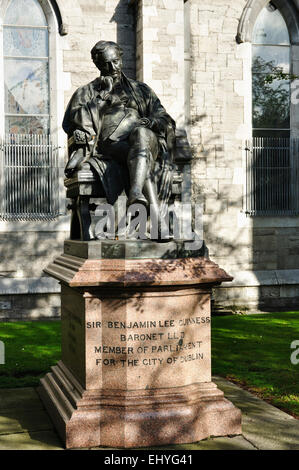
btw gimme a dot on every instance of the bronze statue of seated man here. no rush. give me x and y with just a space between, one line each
119 126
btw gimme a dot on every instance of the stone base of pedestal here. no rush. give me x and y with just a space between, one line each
136 347
136 418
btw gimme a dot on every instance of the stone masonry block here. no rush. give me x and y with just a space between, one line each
204 77
230 191
172 5
216 25
219 62
230 25
226 46
214 205
208 44
211 8
202 29
232 73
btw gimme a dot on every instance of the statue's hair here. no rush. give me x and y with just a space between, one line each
100 48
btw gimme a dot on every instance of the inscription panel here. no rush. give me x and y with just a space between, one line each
148 341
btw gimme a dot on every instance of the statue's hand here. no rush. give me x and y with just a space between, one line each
145 122
165 181
104 95
107 86
74 162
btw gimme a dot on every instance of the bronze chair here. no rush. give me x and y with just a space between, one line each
85 185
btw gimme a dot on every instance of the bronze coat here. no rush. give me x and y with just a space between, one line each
85 112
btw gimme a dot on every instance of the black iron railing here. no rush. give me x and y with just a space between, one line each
29 178
272 176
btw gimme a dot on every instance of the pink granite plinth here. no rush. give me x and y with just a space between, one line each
136 354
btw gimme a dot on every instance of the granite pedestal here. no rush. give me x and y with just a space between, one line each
136 358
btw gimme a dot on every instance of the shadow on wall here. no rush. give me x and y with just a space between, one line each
229 243
220 208
267 245
125 18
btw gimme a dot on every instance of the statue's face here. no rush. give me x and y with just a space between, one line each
110 64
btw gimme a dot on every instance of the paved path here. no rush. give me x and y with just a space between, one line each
25 425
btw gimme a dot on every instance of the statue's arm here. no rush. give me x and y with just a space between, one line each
161 121
77 115
81 123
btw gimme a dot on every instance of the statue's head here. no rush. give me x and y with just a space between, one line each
107 57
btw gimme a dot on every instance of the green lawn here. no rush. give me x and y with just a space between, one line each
31 348
253 351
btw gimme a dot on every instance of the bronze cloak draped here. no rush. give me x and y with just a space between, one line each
85 112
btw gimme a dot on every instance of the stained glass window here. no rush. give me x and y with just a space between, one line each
26 68
29 161
25 42
25 13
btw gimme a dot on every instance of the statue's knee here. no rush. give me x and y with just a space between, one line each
84 166
141 133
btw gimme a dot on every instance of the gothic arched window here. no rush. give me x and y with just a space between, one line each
271 161
26 68
29 158
271 51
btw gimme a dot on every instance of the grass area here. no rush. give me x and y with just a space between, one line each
254 351
31 348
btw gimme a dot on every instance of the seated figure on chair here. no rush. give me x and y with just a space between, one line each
118 126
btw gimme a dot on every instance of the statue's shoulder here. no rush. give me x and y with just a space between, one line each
142 87
88 90
137 83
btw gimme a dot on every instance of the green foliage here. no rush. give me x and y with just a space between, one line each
254 350
271 95
278 74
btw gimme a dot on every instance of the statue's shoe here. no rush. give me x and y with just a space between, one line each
137 198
